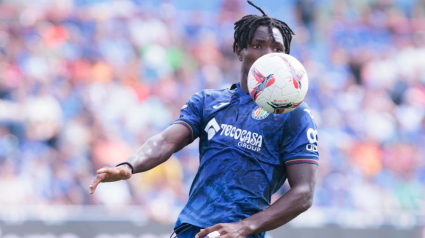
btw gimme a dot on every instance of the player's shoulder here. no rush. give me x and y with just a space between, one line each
302 110
215 95
302 114
214 98
303 106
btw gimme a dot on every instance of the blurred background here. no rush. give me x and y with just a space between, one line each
83 83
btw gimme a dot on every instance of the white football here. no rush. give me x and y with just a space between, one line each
277 82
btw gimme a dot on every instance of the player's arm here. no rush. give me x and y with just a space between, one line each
299 198
302 180
152 153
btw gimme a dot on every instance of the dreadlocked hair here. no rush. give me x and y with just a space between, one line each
246 27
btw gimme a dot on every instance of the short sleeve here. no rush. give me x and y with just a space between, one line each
191 115
300 142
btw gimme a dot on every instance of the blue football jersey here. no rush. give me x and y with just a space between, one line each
244 152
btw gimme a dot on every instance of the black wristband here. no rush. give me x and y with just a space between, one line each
127 163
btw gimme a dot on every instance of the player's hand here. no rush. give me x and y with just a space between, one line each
110 174
225 230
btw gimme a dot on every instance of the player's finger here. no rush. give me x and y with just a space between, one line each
96 182
204 232
201 233
213 234
103 170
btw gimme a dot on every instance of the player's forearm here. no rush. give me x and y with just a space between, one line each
290 205
152 153
159 148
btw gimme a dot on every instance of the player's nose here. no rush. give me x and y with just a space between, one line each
267 50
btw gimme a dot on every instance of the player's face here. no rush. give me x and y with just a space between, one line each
262 43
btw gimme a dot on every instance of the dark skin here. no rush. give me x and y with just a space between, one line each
158 149
262 43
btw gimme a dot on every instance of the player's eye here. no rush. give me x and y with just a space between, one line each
277 49
256 46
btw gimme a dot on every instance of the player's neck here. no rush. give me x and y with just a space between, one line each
244 84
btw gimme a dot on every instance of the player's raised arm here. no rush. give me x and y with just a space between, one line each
152 153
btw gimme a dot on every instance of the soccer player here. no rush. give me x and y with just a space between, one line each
246 154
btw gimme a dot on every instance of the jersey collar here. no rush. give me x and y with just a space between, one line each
243 97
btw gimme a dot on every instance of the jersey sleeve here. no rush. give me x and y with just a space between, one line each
191 115
300 142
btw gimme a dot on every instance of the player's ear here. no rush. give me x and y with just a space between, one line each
239 52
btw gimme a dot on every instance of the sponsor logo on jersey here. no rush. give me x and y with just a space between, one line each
244 138
259 113
212 128
312 138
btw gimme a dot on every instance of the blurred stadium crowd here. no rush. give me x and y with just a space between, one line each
84 83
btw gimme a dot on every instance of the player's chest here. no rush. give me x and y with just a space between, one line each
245 127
